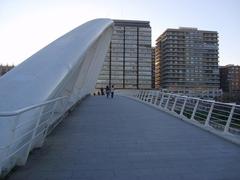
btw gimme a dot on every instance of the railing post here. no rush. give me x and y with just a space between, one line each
23 159
13 136
158 94
152 95
51 118
161 101
183 107
174 104
195 109
149 98
143 95
229 120
169 96
209 114
146 95
136 94
140 95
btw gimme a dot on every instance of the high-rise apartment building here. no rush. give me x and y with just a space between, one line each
128 60
230 78
187 58
153 67
157 65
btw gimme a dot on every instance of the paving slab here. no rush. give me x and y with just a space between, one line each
121 139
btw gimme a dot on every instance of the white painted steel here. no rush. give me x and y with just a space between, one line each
39 91
222 119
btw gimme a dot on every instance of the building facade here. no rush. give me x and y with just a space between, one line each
128 63
187 58
157 65
5 69
230 78
153 67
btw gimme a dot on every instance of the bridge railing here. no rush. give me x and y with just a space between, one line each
28 129
220 118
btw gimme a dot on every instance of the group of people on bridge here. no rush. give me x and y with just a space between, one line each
109 91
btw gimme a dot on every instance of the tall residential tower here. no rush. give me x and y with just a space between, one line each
153 67
230 79
187 58
128 61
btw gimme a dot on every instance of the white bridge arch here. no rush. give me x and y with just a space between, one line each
39 91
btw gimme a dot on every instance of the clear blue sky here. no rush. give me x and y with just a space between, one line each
28 25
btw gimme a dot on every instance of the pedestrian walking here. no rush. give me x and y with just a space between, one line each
102 92
107 91
112 91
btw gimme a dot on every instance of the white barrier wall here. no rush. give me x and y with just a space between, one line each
40 90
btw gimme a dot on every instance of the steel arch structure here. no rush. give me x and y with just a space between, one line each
39 91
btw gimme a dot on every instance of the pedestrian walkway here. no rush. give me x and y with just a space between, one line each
122 139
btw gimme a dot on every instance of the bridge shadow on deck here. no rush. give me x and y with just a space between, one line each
122 139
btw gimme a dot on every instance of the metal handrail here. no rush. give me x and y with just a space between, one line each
204 100
22 110
192 108
35 120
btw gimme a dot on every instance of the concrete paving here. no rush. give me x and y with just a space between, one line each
121 139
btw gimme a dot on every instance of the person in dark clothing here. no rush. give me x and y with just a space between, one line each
102 92
107 91
112 91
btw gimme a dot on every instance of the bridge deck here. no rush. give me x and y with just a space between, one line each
123 139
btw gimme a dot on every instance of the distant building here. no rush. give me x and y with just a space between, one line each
187 58
230 78
128 63
153 67
5 69
157 65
